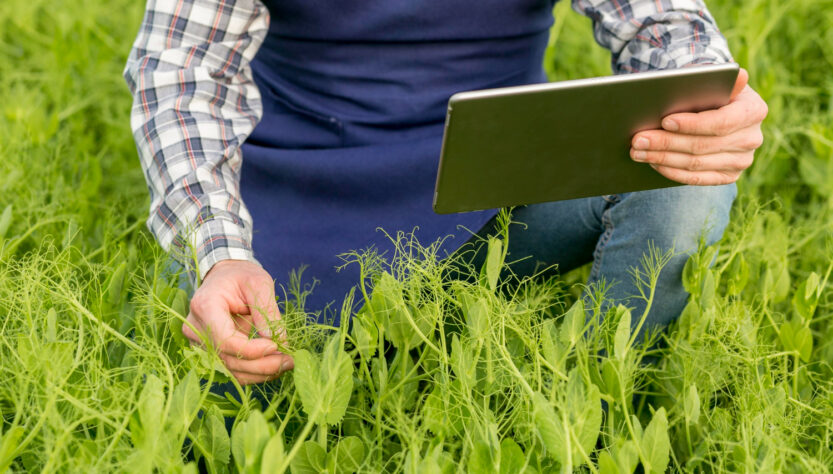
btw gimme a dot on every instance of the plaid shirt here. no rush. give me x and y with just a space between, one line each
195 102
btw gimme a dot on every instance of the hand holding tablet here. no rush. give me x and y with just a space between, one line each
572 139
706 148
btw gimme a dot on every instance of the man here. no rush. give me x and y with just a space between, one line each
338 109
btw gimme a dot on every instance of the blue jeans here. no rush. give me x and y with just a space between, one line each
614 232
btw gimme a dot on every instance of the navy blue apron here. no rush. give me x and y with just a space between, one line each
354 96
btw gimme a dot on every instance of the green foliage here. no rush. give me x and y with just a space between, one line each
324 385
485 374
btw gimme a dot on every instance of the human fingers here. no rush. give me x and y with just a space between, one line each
248 379
740 82
723 161
259 296
191 329
697 178
743 111
268 365
215 318
746 139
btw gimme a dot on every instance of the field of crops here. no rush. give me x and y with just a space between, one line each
435 375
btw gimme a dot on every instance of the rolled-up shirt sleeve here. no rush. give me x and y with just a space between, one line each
194 104
655 34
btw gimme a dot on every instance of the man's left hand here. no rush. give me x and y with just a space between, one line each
706 148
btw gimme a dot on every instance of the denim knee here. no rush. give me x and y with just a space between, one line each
679 217
671 219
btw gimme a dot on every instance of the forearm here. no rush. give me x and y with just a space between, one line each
194 105
655 34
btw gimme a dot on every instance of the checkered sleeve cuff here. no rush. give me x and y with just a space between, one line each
219 239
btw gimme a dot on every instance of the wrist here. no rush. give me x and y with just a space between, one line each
230 262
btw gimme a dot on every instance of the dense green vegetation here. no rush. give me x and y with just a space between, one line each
435 376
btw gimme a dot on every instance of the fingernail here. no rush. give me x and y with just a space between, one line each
670 125
639 155
286 366
642 143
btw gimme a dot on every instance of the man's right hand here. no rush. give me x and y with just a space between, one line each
234 297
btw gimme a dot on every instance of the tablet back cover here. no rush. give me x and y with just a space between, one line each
566 140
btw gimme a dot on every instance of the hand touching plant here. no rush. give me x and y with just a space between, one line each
235 298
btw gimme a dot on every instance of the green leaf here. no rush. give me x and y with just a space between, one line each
348 455
51 325
777 281
387 293
691 275
656 446
392 314
324 387
405 386
573 325
626 456
708 257
738 275
550 428
71 233
462 362
400 332
116 284
180 302
795 336
214 439
477 317
512 458
494 260
606 463
434 414
311 459
611 377
690 316
365 335
692 405
481 459
432 463
151 407
9 441
5 220
190 468
421 322
623 333
549 344
707 292
804 343
485 452
806 297
248 438
336 381
273 455
184 403
584 414
307 377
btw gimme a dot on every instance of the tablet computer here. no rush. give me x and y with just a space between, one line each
563 140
